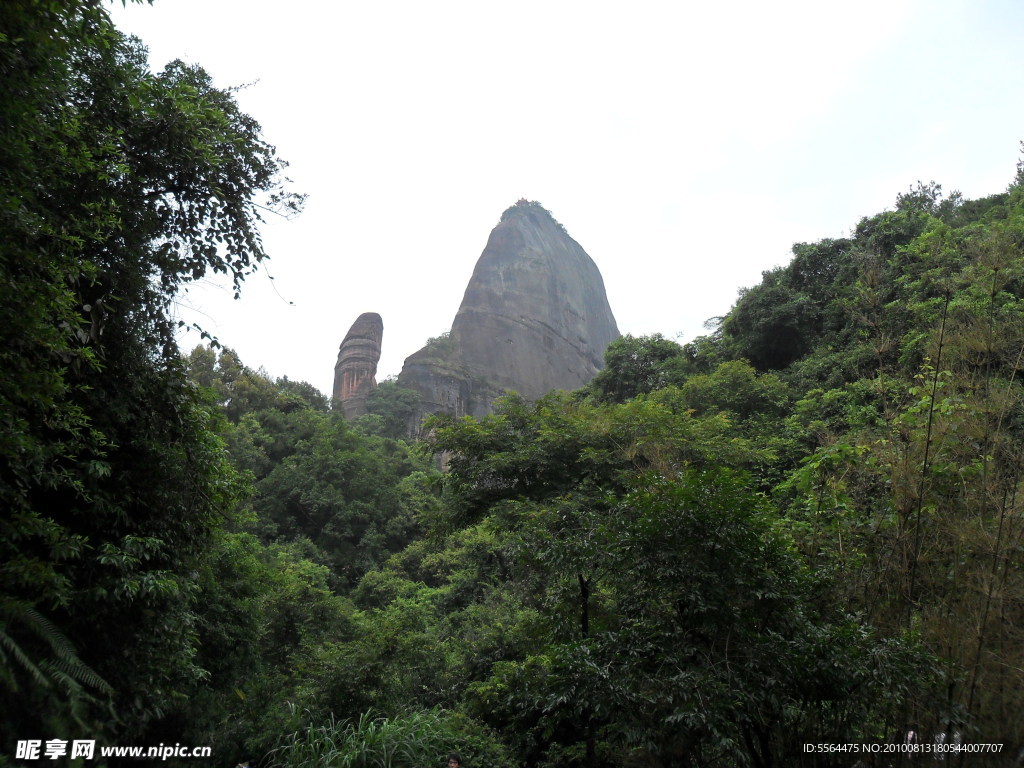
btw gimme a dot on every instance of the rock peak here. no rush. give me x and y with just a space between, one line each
356 370
535 317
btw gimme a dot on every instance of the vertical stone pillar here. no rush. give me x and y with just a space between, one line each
356 370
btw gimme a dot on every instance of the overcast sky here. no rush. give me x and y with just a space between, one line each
686 146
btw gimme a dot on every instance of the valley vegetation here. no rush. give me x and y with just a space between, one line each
803 527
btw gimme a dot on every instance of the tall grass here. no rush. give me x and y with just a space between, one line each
417 740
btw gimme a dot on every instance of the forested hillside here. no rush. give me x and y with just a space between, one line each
803 528
799 529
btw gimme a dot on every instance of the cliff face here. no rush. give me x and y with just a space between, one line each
356 370
534 317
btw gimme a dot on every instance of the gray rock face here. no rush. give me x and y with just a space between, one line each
535 317
355 373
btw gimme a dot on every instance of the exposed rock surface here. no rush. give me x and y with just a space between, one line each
355 373
535 317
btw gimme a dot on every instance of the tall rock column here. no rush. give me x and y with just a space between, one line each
355 373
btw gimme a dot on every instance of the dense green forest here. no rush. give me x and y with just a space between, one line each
801 528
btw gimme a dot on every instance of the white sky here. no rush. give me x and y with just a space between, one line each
685 146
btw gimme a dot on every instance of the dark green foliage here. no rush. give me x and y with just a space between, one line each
117 187
777 322
406 741
635 366
238 390
736 388
390 407
535 451
841 308
711 579
267 611
352 493
671 620
701 647
343 491
907 384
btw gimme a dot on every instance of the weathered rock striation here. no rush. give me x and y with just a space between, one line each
356 370
535 317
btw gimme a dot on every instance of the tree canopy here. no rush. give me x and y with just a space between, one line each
118 186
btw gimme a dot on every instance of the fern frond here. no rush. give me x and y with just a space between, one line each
23 660
65 667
